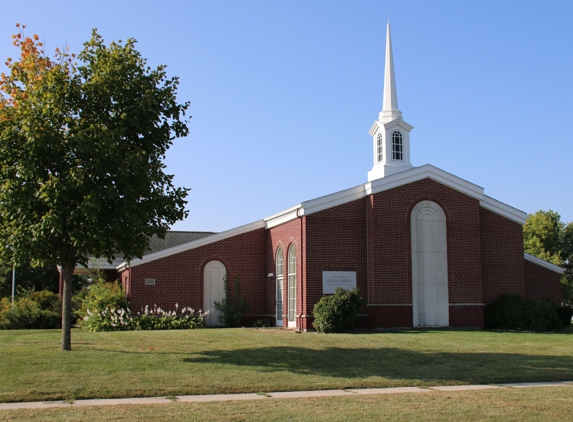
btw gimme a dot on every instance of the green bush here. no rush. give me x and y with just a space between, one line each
233 306
337 313
101 296
104 307
514 312
34 310
564 313
263 322
158 319
123 319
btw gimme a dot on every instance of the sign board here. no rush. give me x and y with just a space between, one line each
333 279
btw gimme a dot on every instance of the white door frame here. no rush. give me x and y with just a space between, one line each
213 290
430 303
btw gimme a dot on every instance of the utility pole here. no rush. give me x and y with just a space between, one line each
13 282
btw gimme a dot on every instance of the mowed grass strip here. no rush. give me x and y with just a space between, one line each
511 404
214 361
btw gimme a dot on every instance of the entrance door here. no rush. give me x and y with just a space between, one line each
213 291
429 266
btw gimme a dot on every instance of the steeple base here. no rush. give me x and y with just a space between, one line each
384 170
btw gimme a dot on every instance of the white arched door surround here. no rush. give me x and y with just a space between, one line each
213 290
429 266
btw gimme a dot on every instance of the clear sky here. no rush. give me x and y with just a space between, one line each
283 93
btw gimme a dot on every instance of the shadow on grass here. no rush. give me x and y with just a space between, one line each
393 363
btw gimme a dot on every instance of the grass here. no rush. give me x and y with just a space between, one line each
512 404
169 363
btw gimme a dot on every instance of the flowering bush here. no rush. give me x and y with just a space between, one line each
100 297
158 319
111 319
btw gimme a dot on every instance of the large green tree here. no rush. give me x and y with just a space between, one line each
81 156
547 237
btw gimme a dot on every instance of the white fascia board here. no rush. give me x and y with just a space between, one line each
332 200
194 244
543 263
502 209
418 173
282 217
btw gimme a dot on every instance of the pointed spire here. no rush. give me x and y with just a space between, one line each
390 109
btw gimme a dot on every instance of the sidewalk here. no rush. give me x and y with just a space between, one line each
279 395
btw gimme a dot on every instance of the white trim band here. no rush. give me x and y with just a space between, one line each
543 263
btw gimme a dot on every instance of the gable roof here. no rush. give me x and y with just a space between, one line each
342 197
393 181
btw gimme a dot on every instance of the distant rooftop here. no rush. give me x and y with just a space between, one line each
174 238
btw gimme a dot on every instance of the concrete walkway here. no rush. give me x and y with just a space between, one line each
266 396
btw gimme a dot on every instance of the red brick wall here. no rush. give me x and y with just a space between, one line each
283 236
335 241
389 244
502 256
388 316
466 316
370 236
541 283
179 277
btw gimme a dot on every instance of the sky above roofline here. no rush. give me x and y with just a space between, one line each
283 93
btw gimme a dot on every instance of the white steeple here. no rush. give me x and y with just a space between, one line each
390 104
390 134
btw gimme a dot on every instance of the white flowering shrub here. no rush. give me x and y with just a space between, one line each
158 319
111 319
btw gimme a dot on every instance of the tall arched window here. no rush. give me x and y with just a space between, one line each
280 272
379 147
292 286
397 153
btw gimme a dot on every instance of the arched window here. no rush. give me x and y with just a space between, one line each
280 272
379 147
397 153
292 285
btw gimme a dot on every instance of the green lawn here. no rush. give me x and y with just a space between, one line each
161 363
539 404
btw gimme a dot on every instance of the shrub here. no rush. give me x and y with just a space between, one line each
337 313
97 298
564 313
104 307
35 310
158 319
264 322
515 312
233 306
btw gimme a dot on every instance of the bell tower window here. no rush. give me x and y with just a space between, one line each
397 153
379 147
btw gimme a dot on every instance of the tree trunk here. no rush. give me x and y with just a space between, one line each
68 274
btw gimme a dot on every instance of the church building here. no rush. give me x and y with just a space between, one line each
424 247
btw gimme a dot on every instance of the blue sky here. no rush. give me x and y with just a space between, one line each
283 93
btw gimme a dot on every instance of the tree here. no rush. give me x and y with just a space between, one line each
28 279
81 150
547 237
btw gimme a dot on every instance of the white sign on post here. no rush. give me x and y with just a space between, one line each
333 279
